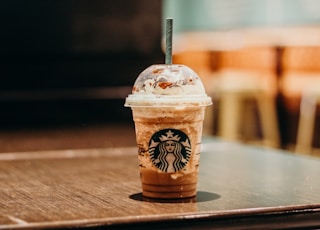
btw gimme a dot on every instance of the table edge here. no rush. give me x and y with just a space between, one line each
226 215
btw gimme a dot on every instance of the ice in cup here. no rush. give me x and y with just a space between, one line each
168 105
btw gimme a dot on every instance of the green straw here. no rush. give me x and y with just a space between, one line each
169 41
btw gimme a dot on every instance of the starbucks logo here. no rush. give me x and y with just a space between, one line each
170 150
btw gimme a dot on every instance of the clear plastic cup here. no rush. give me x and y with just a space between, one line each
168 105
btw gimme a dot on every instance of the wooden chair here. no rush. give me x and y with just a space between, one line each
248 74
301 79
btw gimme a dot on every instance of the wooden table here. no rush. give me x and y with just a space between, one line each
240 187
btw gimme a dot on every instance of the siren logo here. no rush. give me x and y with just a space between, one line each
170 150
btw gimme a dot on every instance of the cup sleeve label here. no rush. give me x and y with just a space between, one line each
170 150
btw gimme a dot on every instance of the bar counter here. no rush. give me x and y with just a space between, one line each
240 187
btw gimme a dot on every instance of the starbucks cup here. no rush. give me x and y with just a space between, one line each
168 106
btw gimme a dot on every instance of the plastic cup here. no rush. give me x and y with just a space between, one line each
168 105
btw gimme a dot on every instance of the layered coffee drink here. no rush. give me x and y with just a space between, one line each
168 104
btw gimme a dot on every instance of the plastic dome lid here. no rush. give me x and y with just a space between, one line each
168 85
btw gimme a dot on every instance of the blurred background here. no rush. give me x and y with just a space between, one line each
66 67
72 61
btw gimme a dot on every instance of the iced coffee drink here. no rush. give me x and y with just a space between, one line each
168 104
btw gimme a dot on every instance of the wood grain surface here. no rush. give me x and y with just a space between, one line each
239 186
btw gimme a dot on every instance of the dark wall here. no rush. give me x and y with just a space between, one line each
73 44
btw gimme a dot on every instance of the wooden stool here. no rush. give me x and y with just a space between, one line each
232 107
301 79
309 100
248 73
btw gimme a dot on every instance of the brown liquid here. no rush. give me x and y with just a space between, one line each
165 185
155 182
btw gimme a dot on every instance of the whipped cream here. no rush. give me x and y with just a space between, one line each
168 80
